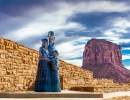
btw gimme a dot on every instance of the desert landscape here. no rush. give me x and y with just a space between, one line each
19 66
65 49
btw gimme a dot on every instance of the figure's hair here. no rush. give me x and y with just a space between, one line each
51 33
44 40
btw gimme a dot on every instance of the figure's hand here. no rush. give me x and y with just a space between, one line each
47 60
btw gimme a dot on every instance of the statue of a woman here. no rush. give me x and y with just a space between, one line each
43 78
55 64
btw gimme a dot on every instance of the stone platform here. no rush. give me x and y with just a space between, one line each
64 95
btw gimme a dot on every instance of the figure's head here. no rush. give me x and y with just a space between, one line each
45 42
51 36
51 33
55 53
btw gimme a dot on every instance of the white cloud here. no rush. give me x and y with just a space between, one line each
118 40
77 62
95 6
115 39
126 48
70 50
37 45
125 57
128 67
121 24
118 29
111 34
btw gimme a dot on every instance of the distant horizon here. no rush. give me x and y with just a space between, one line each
74 22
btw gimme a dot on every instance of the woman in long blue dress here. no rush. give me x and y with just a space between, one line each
55 80
43 78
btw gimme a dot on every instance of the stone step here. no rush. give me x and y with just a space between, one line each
63 94
101 89
51 99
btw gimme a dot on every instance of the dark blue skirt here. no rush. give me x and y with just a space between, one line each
55 81
43 78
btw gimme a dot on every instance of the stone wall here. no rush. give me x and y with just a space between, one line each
73 76
18 65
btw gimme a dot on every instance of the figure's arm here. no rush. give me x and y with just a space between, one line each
42 55
57 64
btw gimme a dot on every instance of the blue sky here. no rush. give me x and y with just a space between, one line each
74 22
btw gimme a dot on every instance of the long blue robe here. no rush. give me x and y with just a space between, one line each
43 78
55 79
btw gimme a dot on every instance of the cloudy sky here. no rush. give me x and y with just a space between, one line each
73 21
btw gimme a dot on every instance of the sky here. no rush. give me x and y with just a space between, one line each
73 21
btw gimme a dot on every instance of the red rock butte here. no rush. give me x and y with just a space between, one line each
104 59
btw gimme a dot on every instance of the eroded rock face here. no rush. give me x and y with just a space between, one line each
104 58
